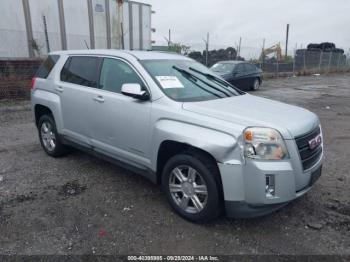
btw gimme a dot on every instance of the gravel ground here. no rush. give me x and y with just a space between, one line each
82 205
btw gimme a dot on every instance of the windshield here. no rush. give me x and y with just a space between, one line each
187 80
223 67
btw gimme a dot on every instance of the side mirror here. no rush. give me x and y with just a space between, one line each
234 73
135 91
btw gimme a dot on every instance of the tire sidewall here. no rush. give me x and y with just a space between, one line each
59 147
256 87
211 210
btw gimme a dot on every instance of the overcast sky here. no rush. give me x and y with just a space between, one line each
253 20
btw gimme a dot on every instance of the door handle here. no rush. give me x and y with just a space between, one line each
99 99
59 89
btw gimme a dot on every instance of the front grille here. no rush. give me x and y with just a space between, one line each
308 156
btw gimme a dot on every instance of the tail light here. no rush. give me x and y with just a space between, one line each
32 86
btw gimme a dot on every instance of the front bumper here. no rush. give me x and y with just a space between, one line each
244 185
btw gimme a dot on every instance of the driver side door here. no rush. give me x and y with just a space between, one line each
122 126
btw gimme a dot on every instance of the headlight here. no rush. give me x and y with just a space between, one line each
264 143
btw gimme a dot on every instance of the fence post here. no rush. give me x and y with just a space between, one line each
295 52
304 60
338 61
46 35
329 62
277 67
320 63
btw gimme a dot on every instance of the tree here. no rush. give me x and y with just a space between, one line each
179 48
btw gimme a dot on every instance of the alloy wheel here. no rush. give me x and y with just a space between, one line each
188 189
48 137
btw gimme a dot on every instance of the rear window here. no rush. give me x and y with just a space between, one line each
250 67
46 68
81 70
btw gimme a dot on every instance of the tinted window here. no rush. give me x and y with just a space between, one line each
81 70
250 67
239 68
223 67
45 69
115 73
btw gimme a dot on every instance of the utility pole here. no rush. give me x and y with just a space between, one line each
295 52
262 58
169 38
206 49
287 37
239 46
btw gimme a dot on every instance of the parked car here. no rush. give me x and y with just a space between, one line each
212 147
241 74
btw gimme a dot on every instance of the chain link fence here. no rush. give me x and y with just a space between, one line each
308 61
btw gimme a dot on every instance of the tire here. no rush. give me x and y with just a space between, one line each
203 207
256 84
49 138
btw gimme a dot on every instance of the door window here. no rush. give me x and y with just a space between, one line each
250 67
81 70
115 73
239 68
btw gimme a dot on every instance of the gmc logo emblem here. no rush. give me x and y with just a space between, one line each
315 142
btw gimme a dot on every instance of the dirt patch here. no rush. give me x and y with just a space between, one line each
19 199
71 189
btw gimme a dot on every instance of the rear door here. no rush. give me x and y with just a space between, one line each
121 126
250 74
239 78
77 90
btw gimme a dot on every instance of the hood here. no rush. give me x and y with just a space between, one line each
248 110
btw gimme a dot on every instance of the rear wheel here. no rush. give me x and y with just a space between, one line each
256 84
192 188
49 137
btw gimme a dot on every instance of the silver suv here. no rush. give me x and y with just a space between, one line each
212 147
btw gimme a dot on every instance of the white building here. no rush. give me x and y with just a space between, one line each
30 28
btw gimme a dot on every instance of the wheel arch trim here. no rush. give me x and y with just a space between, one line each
52 102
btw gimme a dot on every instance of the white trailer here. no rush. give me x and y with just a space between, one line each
31 28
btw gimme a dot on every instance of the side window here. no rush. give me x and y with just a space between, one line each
251 67
115 73
246 68
239 68
46 68
81 70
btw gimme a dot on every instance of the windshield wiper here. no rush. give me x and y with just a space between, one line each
217 79
191 78
198 78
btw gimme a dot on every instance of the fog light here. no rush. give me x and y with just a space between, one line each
270 186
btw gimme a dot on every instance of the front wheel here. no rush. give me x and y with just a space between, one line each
192 188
